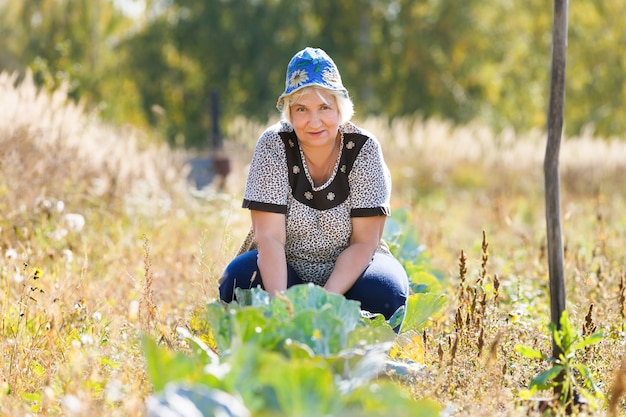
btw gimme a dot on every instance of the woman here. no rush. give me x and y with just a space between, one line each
318 192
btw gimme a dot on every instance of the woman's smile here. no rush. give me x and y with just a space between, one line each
315 119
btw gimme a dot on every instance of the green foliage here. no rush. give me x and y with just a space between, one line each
308 316
305 352
402 239
426 297
200 401
420 308
566 376
404 244
461 62
73 43
186 369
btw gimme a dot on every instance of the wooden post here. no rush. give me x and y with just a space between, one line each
551 165
221 162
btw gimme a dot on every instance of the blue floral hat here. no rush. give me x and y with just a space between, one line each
311 66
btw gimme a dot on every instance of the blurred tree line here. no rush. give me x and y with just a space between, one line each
457 60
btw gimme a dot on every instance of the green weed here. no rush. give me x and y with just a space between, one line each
568 377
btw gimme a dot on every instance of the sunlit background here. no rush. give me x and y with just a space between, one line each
157 63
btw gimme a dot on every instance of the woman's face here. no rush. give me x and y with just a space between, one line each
315 118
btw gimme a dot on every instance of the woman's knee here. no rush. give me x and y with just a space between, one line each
383 287
241 272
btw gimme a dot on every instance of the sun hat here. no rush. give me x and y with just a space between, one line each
310 66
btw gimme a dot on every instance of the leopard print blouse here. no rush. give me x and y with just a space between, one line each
318 219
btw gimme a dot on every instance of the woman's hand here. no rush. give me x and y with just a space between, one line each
366 235
270 234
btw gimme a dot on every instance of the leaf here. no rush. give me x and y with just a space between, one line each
322 331
388 399
587 377
252 297
154 358
567 335
303 388
306 314
527 394
370 335
212 356
178 400
529 353
588 341
411 348
420 307
31 396
219 320
313 297
37 368
396 319
296 350
556 335
542 381
378 320
164 366
358 366
246 377
403 240
251 324
422 281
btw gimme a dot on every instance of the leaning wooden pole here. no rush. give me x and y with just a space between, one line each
551 165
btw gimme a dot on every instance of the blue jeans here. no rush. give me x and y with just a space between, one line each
382 288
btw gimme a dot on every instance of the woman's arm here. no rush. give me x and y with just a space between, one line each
366 235
270 234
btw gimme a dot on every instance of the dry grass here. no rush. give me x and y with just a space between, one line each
82 202
76 297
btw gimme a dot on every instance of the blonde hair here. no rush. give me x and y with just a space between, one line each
343 101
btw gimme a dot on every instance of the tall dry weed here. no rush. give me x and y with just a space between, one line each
49 145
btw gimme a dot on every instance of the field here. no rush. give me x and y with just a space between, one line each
102 241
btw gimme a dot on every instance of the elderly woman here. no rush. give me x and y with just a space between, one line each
318 193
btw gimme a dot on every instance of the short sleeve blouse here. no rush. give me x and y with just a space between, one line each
318 219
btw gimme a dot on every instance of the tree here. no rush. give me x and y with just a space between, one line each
486 61
72 42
